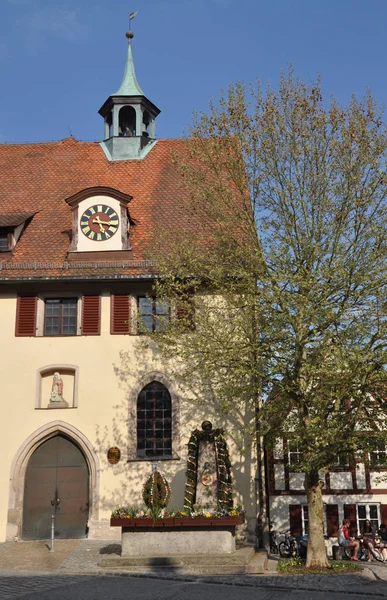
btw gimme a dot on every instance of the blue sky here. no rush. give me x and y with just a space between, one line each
60 60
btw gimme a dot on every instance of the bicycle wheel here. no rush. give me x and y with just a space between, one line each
293 549
377 555
284 550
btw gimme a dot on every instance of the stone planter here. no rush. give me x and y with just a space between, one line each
178 535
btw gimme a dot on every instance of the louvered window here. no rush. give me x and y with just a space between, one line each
60 317
26 316
91 315
154 422
120 314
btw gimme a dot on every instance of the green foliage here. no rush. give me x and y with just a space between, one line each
135 512
287 195
285 258
296 566
156 493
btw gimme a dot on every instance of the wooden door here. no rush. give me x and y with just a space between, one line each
57 482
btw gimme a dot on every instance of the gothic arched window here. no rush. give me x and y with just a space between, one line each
154 422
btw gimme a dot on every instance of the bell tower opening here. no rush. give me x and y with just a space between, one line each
129 117
127 122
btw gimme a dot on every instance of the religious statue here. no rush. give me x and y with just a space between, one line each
57 388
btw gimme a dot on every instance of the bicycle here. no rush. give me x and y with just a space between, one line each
273 542
288 548
363 552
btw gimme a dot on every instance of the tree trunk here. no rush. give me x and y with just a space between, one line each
317 553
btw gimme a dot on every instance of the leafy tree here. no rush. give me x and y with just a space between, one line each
283 262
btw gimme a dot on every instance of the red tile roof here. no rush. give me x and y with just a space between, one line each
37 178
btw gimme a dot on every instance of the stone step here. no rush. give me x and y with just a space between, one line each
240 562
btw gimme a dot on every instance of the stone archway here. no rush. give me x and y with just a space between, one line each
20 464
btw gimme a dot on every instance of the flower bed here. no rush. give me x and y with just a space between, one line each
173 522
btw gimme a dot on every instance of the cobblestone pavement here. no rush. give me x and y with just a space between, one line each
29 570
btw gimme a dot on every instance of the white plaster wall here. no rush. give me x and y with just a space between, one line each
279 477
341 481
110 368
279 510
278 450
296 481
360 475
378 481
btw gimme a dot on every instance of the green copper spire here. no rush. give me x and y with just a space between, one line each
129 85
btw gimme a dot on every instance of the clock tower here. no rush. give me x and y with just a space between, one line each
129 117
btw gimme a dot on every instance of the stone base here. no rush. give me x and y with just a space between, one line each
166 543
62 404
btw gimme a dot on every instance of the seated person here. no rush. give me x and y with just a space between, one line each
381 540
382 531
347 541
368 536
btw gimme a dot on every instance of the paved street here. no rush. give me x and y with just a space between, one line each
30 572
128 588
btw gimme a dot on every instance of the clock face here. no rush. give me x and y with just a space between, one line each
99 222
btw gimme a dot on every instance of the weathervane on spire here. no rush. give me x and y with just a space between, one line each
131 17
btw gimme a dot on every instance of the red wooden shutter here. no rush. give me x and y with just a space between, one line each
350 513
26 316
295 519
119 314
332 519
91 315
383 513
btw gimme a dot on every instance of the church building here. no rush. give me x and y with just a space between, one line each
87 410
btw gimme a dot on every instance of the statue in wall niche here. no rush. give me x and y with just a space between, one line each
209 481
56 397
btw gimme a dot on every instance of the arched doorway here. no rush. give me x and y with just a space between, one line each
56 482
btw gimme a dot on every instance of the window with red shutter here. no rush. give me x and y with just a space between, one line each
332 514
60 316
350 513
383 513
295 518
120 314
91 315
26 316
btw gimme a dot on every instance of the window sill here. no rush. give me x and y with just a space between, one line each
155 459
55 408
340 469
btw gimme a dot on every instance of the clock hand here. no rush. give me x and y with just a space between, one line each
98 221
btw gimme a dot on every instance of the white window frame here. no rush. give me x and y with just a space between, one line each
336 464
367 505
379 452
295 453
41 308
305 520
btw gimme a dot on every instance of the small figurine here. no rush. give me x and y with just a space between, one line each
57 388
